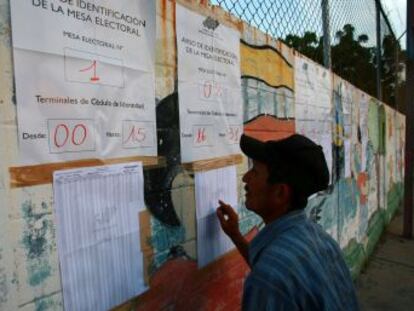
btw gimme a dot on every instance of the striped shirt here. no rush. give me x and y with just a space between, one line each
297 266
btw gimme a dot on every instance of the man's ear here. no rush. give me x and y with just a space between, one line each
283 193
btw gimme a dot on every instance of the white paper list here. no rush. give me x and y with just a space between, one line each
211 186
101 261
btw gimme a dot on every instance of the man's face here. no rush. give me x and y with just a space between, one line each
257 188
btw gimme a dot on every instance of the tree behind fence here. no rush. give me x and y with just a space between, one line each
351 33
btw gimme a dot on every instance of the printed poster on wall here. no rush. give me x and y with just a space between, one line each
363 127
313 104
346 92
84 79
209 87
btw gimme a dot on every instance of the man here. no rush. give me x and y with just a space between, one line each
294 264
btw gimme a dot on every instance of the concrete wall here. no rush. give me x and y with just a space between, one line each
354 210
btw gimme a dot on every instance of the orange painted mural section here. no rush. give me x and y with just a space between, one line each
180 285
267 127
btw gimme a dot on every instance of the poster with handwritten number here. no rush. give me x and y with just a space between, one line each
209 87
85 79
313 104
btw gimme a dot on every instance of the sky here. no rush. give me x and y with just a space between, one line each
397 14
395 10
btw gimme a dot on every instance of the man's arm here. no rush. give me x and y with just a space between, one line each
229 221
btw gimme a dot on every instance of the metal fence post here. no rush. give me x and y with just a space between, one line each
326 34
409 137
378 53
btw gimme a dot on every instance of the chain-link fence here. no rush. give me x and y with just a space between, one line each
341 34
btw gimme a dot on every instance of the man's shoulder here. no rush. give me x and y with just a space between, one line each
300 239
296 251
306 235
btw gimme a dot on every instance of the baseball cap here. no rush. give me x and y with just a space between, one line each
295 160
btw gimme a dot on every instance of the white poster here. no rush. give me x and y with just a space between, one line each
363 127
101 260
349 136
346 91
347 158
84 78
313 104
209 87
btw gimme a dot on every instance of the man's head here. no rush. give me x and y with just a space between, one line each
284 174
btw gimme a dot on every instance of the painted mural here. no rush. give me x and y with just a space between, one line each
366 189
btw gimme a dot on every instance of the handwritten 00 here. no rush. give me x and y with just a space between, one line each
63 135
211 90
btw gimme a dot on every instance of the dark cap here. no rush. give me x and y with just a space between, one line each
296 160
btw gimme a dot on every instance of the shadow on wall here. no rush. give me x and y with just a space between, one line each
158 181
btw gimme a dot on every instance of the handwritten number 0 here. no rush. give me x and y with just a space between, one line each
83 127
66 129
207 89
